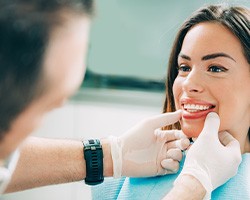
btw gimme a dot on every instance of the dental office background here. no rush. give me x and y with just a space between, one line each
130 41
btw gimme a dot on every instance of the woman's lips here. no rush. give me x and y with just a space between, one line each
195 109
197 114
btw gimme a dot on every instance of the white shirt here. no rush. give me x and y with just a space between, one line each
7 168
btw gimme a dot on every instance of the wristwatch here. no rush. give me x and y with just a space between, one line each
93 156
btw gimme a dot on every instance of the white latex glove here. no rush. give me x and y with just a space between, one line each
213 158
145 150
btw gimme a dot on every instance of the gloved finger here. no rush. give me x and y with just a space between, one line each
165 119
186 150
225 138
175 154
229 141
170 165
211 126
234 148
169 135
232 145
180 144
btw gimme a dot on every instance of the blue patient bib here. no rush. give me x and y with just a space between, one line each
237 188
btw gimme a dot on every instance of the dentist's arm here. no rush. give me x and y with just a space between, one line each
211 161
53 161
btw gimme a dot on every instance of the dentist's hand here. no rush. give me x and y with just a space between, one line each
213 158
145 150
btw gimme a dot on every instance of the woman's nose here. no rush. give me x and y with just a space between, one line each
193 82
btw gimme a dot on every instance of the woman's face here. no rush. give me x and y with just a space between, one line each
213 76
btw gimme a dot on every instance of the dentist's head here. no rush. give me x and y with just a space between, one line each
209 71
42 57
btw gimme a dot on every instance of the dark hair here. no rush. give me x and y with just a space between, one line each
25 27
236 19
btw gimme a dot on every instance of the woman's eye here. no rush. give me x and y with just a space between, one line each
184 68
216 69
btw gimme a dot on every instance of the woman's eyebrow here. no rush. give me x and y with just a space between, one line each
208 57
215 55
184 56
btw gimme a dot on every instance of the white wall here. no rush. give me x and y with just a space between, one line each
91 113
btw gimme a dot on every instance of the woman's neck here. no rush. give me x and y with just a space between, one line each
240 133
247 146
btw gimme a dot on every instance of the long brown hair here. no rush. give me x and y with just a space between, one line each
236 19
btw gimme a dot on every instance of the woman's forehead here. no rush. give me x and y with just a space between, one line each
209 37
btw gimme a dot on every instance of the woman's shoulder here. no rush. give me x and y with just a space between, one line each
238 186
158 187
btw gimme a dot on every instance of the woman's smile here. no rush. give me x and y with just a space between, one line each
194 109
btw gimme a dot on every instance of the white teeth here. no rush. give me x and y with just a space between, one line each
195 108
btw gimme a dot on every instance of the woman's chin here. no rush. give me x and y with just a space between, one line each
191 130
191 133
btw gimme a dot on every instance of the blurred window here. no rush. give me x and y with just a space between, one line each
130 41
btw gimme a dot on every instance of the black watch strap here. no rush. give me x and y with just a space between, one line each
93 155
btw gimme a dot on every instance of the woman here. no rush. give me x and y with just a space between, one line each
209 71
